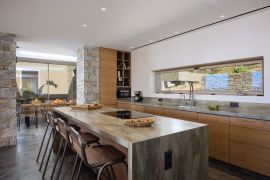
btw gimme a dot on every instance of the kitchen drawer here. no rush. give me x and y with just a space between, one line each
183 115
123 105
250 123
250 157
135 107
153 110
218 135
249 136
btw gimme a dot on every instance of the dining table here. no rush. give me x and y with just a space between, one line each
36 106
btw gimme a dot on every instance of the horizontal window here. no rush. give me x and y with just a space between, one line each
236 77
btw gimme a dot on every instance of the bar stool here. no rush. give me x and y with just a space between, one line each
63 129
50 123
44 117
53 124
96 157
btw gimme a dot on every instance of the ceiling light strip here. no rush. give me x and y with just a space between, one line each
201 27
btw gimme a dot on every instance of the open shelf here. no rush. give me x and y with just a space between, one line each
123 69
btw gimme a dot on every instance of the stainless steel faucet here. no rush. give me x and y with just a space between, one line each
192 101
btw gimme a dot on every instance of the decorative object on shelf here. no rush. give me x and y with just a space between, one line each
213 107
141 122
123 69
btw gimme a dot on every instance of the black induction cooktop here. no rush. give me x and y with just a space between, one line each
126 114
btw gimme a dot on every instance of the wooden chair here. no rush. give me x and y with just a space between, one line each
28 110
97 158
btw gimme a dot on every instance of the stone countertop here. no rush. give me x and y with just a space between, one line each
252 111
114 128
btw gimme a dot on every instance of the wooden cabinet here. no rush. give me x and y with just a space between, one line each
183 115
218 135
153 110
250 144
240 141
107 76
135 107
123 105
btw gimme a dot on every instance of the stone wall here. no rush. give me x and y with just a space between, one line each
87 75
240 82
7 90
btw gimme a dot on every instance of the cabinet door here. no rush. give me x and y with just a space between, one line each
138 108
250 157
107 76
153 110
218 135
250 144
183 115
123 105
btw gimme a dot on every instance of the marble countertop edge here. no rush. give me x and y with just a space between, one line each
205 110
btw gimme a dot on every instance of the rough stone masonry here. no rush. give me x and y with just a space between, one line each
8 121
87 75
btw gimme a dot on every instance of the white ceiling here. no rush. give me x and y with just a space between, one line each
55 26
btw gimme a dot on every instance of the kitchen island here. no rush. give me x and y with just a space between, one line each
180 147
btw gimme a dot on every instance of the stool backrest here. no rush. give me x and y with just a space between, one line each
52 121
77 143
44 114
63 128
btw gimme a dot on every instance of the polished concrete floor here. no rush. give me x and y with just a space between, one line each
18 163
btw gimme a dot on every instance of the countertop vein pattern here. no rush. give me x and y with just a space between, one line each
114 128
252 111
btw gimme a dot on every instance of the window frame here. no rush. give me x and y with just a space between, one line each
211 65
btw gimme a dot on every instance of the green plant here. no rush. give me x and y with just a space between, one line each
47 83
240 69
29 95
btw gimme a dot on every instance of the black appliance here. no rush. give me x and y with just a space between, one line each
126 114
138 96
123 93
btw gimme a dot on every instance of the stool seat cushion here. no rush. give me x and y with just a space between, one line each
99 155
89 138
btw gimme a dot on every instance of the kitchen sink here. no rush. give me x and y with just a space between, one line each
182 106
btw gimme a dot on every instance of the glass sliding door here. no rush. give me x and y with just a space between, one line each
46 81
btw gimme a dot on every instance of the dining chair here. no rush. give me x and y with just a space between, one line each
28 111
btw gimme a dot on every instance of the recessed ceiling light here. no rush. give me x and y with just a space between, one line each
222 16
84 25
150 40
131 47
175 32
103 9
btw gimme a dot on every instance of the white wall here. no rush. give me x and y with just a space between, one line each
248 36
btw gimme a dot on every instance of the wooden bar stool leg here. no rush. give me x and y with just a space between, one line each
62 160
74 166
41 145
58 154
45 152
50 152
79 170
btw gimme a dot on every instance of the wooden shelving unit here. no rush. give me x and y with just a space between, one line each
123 69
